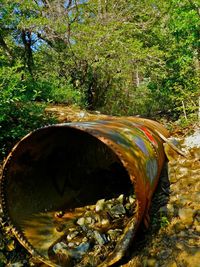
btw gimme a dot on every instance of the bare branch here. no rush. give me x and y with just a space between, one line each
69 4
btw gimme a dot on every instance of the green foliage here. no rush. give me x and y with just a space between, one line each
16 120
11 86
17 117
57 91
183 59
160 220
138 101
120 57
164 222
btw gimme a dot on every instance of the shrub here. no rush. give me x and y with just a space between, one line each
54 89
16 120
17 117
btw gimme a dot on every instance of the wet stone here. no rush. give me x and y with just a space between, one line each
60 247
79 250
71 235
100 205
96 231
100 238
117 210
105 223
81 221
121 198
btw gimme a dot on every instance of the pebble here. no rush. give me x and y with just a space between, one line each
98 226
100 205
81 221
183 171
131 199
193 140
182 234
197 227
15 264
60 247
71 245
173 178
79 251
170 209
186 215
117 210
71 235
151 262
100 238
121 198
105 223
180 246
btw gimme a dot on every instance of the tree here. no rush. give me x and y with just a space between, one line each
182 61
122 57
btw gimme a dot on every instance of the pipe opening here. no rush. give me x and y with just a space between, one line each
59 169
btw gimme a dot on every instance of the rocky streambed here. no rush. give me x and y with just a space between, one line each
93 233
173 237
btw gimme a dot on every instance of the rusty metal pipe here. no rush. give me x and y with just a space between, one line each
60 167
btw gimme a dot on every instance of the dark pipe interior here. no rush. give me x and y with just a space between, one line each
58 168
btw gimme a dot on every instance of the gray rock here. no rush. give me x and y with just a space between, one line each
117 210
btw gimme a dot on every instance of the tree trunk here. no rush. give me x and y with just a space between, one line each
28 55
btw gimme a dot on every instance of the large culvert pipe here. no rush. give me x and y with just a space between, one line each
57 170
